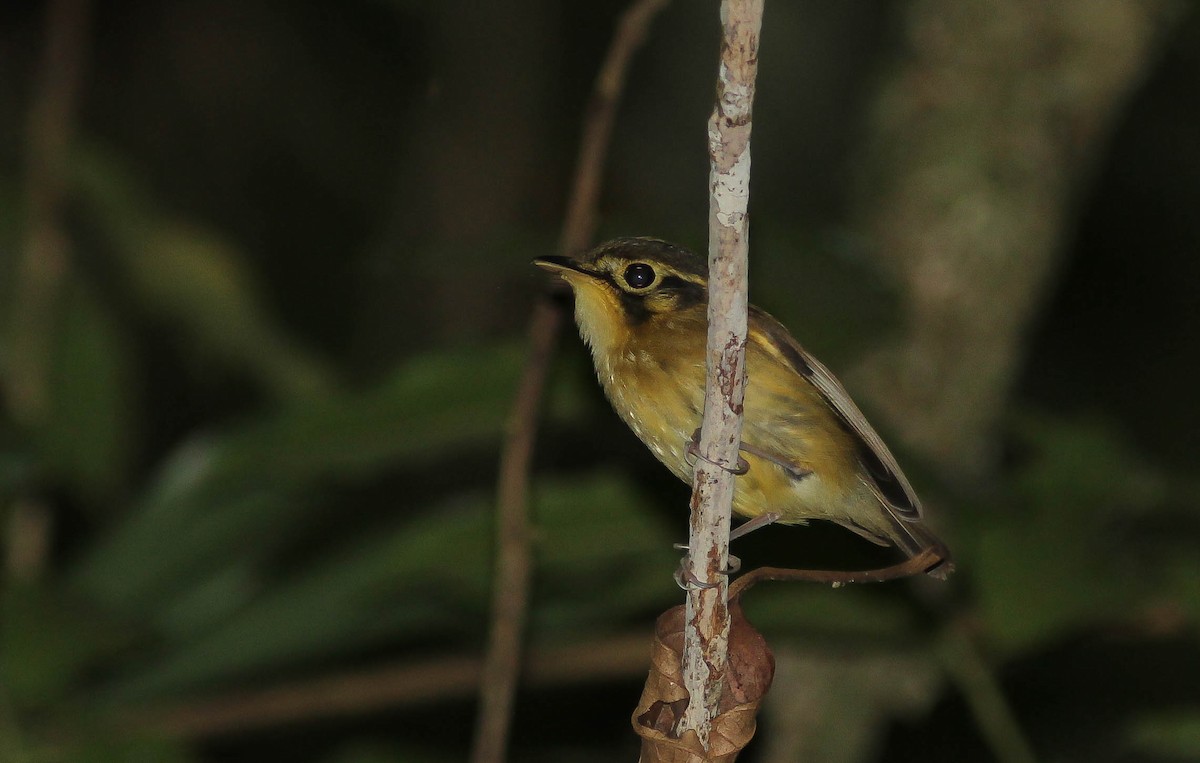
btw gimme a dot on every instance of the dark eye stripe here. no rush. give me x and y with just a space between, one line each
675 282
687 292
635 308
671 292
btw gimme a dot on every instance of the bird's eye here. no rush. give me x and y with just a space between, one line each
639 275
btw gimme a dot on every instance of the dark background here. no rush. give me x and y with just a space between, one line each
253 405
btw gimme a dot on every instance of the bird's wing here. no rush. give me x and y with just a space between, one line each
887 481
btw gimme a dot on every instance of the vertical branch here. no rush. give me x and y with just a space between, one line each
707 617
510 592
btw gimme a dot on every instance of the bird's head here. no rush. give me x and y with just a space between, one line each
623 284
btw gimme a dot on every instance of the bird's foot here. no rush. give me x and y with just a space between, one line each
685 578
757 523
693 450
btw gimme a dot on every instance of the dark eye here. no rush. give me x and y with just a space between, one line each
639 275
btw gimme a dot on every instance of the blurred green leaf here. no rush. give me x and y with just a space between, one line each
16 466
591 521
1084 467
1049 564
602 554
1038 580
1173 734
85 438
851 612
381 589
210 599
110 746
46 642
193 278
214 493
16 748
395 586
1182 582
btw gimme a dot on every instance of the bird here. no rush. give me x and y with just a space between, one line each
810 453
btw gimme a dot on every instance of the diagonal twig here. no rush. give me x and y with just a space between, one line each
510 597
42 267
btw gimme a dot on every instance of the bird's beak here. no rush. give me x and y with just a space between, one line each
556 264
563 266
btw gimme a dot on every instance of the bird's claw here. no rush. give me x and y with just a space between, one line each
685 578
693 450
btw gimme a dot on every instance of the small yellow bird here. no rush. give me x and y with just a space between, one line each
641 306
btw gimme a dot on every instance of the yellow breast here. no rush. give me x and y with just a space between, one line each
654 376
659 395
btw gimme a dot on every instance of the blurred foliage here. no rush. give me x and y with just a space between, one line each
284 348
1168 735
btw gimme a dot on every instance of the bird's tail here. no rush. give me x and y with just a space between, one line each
915 538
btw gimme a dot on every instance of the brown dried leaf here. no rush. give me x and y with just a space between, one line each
747 678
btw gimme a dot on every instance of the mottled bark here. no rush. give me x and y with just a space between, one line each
980 141
707 633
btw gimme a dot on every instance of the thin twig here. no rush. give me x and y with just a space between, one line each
707 618
579 227
510 597
30 528
510 587
385 687
991 710
43 264
43 261
915 565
